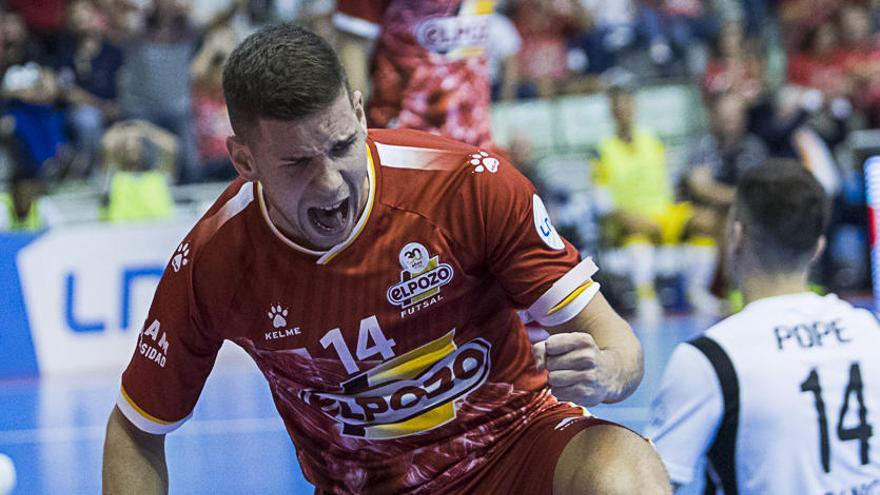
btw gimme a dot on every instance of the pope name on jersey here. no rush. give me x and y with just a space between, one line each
397 358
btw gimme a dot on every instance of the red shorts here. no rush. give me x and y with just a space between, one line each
528 464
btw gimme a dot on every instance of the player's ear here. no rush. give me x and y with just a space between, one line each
820 248
357 102
242 158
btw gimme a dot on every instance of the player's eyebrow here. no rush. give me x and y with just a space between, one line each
346 141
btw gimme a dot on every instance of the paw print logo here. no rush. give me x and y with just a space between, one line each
482 162
277 314
181 257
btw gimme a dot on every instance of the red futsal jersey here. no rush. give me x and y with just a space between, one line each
397 359
429 69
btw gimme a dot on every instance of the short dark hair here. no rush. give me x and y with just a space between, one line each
784 211
283 72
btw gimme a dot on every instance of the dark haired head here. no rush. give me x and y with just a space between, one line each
281 72
783 211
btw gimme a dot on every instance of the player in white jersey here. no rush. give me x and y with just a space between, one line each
783 397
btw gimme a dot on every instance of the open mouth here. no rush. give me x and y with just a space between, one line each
330 219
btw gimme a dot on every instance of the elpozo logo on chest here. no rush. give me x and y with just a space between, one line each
420 281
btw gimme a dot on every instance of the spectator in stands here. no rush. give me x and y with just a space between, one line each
756 16
428 64
20 208
44 19
615 28
18 48
87 64
722 156
256 14
139 160
731 67
686 25
501 49
640 212
716 164
815 64
800 17
36 123
156 83
859 56
780 119
546 28
209 107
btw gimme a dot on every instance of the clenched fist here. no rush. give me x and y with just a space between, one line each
580 372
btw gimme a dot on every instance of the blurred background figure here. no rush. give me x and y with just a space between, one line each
87 64
428 66
34 119
22 209
715 165
209 108
721 156
139 160
504 44
156 80
546 27
732 67
635 195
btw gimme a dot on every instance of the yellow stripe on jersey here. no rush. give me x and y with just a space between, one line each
423 422
478 7
143 413
412 363
571 297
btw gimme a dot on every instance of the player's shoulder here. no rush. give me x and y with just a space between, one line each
732 325
410 148
426 167
221 234
862 317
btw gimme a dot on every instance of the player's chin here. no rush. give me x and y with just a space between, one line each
323 238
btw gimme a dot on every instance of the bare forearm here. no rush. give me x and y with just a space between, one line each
618 340
621 363
134 463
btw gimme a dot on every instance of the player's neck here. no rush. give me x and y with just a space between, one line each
764 285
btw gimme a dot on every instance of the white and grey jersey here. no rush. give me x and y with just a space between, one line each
782 398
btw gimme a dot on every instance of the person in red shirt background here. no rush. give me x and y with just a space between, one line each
546 26
428 69
816 65
732 67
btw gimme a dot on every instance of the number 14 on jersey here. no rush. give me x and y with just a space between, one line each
862 432
369 330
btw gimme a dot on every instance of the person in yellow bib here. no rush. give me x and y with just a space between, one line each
19 208
139 158
636 200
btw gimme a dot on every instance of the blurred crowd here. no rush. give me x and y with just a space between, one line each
128 93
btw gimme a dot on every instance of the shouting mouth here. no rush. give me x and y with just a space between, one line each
330 219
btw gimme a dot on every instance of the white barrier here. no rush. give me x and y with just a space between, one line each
87 290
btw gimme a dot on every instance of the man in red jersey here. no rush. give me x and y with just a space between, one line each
376 281
429 69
